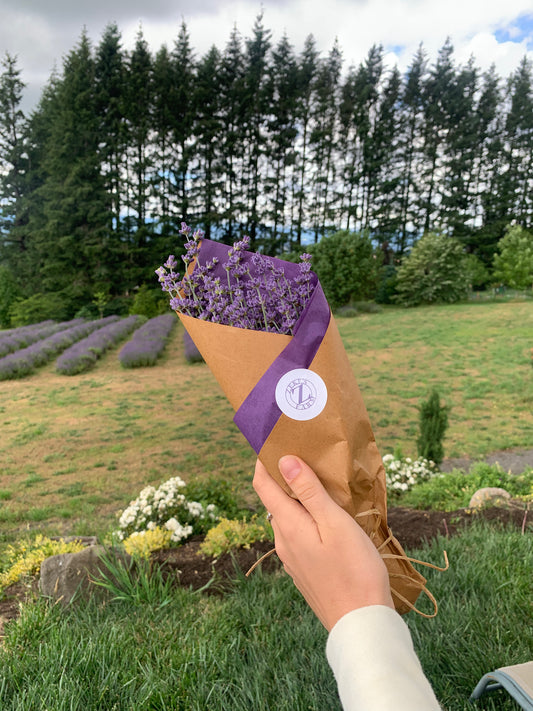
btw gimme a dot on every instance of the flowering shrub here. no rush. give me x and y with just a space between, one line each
263 300
166 507
19 338
229 534
24 361
84 354
147 342
25 557
141 543
402 474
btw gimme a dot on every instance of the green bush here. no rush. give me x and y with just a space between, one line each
149 302
433 423
434 272
513 265
347 267
39 307
220 492
453 490
476 272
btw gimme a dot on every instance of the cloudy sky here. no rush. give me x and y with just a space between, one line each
41 32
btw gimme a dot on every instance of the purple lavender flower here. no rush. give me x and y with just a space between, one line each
256 294
147 342
18 338
26 360
84 354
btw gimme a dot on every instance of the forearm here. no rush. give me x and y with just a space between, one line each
371 653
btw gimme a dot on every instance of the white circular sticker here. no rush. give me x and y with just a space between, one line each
301 394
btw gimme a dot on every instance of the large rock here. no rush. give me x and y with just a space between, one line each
489 496
69 576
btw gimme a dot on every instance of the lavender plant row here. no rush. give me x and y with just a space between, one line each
148 342
26 335
26 360
24 329
84 354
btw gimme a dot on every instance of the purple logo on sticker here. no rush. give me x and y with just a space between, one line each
300 393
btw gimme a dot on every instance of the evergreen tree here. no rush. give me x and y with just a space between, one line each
438 99
460 146
256 101
411 126
70 235
516 183
207 129
282 131
383 164
109 104
371 73
163 147
485 201
183 112
307 66
232 113
323 141
139 99
13 164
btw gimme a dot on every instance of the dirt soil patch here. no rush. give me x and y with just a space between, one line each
412 528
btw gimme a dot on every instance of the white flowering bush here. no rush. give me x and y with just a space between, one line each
401 474
167 508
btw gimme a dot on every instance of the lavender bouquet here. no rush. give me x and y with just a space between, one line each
254 293
265 329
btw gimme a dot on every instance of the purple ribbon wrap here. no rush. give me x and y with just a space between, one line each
259 413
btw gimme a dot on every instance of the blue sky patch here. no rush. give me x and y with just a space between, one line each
518 31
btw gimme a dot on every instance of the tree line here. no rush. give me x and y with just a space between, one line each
254 139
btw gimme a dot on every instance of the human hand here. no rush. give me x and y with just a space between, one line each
331 560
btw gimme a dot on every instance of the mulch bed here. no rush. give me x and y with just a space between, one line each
411 527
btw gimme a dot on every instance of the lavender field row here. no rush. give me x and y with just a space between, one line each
25 360
148 342
17 338
83 355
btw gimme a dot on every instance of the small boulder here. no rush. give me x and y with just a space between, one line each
489 496
70 575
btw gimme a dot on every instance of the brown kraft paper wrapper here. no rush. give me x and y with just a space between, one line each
338 443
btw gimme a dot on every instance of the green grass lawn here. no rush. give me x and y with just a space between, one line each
260 647
75 450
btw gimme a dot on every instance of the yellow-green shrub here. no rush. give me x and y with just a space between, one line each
231 533
25 557
141 543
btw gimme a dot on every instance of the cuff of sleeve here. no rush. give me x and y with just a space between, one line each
371 653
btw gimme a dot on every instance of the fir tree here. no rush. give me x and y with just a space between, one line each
13 163
207 129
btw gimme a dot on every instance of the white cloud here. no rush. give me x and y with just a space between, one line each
41 34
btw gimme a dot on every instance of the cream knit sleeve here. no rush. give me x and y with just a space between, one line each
371 653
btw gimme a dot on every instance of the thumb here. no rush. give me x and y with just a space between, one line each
307 487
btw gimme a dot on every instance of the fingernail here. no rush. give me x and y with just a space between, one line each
289 467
